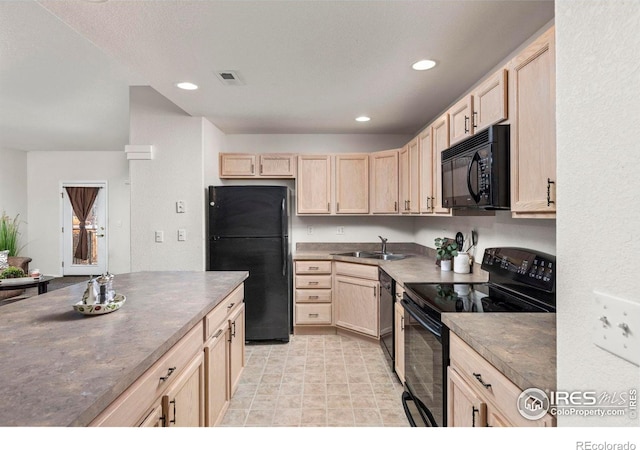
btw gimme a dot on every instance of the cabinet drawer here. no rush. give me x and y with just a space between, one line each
313 295
312 313
313 281
502 393
309 267
219 314
135 403
357 270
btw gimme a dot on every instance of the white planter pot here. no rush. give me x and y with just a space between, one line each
445 265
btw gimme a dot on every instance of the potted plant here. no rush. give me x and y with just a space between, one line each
12 272
9 231
446 249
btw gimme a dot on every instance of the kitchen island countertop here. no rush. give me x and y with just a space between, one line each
520 345
60 368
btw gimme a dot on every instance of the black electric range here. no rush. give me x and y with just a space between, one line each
520 281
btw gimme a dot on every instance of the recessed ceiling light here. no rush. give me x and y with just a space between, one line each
187 86
363 119
424 64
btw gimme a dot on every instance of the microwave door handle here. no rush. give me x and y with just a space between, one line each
474 195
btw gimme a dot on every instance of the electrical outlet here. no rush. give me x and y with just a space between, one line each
617 326
182 234
340 230
180 206
159 236
309 229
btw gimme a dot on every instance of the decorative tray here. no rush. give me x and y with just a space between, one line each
100 308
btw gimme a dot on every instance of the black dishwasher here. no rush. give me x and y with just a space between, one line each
387 296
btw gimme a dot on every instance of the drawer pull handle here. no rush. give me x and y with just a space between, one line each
169 372
314 268
313 283
313 297
174 411
479 378
230 305
313 315
218 333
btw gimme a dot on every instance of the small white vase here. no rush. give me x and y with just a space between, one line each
461 263
445 265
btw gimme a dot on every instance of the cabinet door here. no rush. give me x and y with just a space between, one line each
426 172
398 342
216 357
352 184
533 131
490 101
183 404
440 136
313 184
236 347
384 182
237 165
409 180
154 418
464 407
460 120
278 165
357 305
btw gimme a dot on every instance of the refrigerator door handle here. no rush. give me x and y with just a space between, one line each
283 218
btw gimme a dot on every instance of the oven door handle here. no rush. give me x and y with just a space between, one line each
422 319
475 159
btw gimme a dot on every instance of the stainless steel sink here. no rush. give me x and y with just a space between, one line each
374 255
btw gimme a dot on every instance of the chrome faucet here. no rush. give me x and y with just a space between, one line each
384 245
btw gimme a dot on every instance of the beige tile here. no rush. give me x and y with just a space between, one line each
293 377
340 417
314 417
315 377
314 401
234 418
363 401
369 417
337 388
291 388
246 389
315 389
259 418
289 401
287 417
240 402
264 402
271 378
358 377
361 389
394 417
338 402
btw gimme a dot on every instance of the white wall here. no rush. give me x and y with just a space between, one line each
46 170
598 225
176 172
13 190
493 231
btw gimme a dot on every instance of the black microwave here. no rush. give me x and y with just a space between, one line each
475 172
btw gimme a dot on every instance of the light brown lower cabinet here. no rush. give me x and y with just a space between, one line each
183 404
479 395
357 298
399 340
192 383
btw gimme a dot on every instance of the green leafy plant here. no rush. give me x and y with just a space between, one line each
12 272
9 231
446 249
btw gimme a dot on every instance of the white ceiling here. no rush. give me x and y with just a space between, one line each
308 66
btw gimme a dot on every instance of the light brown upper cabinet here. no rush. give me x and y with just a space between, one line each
490 101
426 172
409 179
249 165
352 184
532 93
384 182
483 107
237 165
460 123
440 142
313 184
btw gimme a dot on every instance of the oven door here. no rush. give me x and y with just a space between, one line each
426 343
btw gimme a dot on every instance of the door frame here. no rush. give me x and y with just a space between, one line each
93 183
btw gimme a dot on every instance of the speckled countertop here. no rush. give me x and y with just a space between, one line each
419 267
61 368
520 345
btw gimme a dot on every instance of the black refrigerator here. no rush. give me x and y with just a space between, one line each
248 229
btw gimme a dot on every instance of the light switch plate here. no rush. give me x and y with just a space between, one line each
159 236
180 206
182 234
617 326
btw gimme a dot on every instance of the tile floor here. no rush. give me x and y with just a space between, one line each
316 381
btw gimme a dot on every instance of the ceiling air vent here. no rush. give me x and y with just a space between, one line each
229 77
